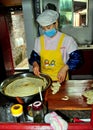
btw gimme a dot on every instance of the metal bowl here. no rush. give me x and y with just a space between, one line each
25 99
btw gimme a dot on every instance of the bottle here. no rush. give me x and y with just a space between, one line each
38 113
17 112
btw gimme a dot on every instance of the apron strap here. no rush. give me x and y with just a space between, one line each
61 41
42 42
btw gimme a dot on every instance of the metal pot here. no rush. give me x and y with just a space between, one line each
25 99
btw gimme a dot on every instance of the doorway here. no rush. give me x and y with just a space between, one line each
15 21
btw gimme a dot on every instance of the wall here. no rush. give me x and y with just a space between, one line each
30 26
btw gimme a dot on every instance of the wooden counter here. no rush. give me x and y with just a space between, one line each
74 90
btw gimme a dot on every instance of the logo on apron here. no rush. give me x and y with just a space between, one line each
49 63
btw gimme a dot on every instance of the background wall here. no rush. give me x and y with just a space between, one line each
82 33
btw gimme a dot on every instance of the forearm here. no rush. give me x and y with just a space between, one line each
66 67
63 73
35 64
36 68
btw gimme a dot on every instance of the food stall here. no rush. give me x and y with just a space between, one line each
68 97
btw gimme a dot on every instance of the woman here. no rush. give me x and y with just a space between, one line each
55 53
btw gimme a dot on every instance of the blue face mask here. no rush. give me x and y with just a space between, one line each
50 33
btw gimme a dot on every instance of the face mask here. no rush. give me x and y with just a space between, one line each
50 33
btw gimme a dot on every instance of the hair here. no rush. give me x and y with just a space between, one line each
51 6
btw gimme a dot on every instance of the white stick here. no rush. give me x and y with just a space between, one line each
40 94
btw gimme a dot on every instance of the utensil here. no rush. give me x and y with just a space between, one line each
41 77
25 99
40 94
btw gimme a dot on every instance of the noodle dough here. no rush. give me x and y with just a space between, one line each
89 95
55 87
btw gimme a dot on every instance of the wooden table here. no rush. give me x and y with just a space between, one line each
74 90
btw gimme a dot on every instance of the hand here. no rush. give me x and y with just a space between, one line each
62 73
36 68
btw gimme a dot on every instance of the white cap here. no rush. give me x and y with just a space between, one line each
48 17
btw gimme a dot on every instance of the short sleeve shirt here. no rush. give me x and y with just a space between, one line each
68 46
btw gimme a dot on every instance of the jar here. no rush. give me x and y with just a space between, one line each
17 112
38 113
30 113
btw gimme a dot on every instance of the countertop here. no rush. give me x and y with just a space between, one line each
74 90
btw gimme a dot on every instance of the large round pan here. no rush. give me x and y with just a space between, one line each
25 99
